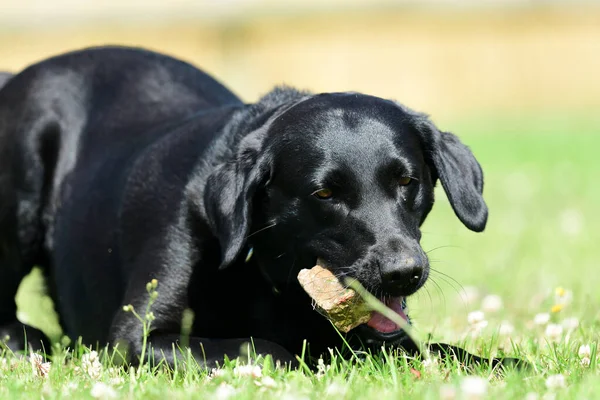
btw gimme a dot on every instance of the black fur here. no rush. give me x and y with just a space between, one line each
4 77
121 165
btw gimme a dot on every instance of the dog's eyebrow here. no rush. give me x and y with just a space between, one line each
399 166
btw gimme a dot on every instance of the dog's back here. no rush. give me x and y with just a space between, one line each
4 77
84 107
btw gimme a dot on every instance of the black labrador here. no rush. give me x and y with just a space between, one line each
119 166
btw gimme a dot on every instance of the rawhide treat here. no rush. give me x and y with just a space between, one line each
342 306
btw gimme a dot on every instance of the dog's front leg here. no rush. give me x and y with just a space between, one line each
469 360
451 353
210 353
164 341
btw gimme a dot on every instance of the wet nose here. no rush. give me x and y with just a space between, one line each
402 277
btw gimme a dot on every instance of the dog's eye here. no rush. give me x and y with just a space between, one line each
323 194
404 181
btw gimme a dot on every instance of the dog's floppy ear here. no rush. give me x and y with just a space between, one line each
458 170
229 195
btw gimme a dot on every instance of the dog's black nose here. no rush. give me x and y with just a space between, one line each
402 277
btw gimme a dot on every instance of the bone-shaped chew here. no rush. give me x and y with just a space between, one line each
342 306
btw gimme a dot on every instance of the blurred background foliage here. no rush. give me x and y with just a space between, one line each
447 57
517 80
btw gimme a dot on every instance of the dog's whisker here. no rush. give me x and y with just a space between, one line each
448 279
441 292
261 229
441 247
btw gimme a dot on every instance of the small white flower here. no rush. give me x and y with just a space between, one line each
218 373
541 319
584 351
562 296
491 303
570 324
267 382
116 380
322 368
430 363
477 329
506 328
336 389
447 392
475 317
585 361
473 387
224 391
68 388
554 332
90 364
469 295
556 382
253 371
532 396
101 390
38 366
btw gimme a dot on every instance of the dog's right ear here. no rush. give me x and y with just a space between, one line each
229 195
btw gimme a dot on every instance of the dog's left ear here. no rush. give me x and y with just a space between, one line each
229 195
458 170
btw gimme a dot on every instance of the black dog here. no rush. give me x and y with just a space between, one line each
4 77
118 166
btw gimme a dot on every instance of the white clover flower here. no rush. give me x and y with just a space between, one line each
585 362
570 324
541 319
477 329
557 381
69 387
90 364
336 389
554 332
474 387
475 317
491 303
506 328
116 380
253 371
430 363
101 390
447 392
584 351
218 373
266 382
224 391
38 366
532 396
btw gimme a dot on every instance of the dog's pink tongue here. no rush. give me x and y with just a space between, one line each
383 324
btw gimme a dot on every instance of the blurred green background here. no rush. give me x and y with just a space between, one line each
516 80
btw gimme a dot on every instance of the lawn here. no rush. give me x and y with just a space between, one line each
531 274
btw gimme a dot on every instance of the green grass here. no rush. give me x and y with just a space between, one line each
543 233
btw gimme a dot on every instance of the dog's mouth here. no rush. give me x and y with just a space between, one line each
384 325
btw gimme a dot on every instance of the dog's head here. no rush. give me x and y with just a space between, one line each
348 178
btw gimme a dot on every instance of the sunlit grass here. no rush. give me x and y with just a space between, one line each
525 287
